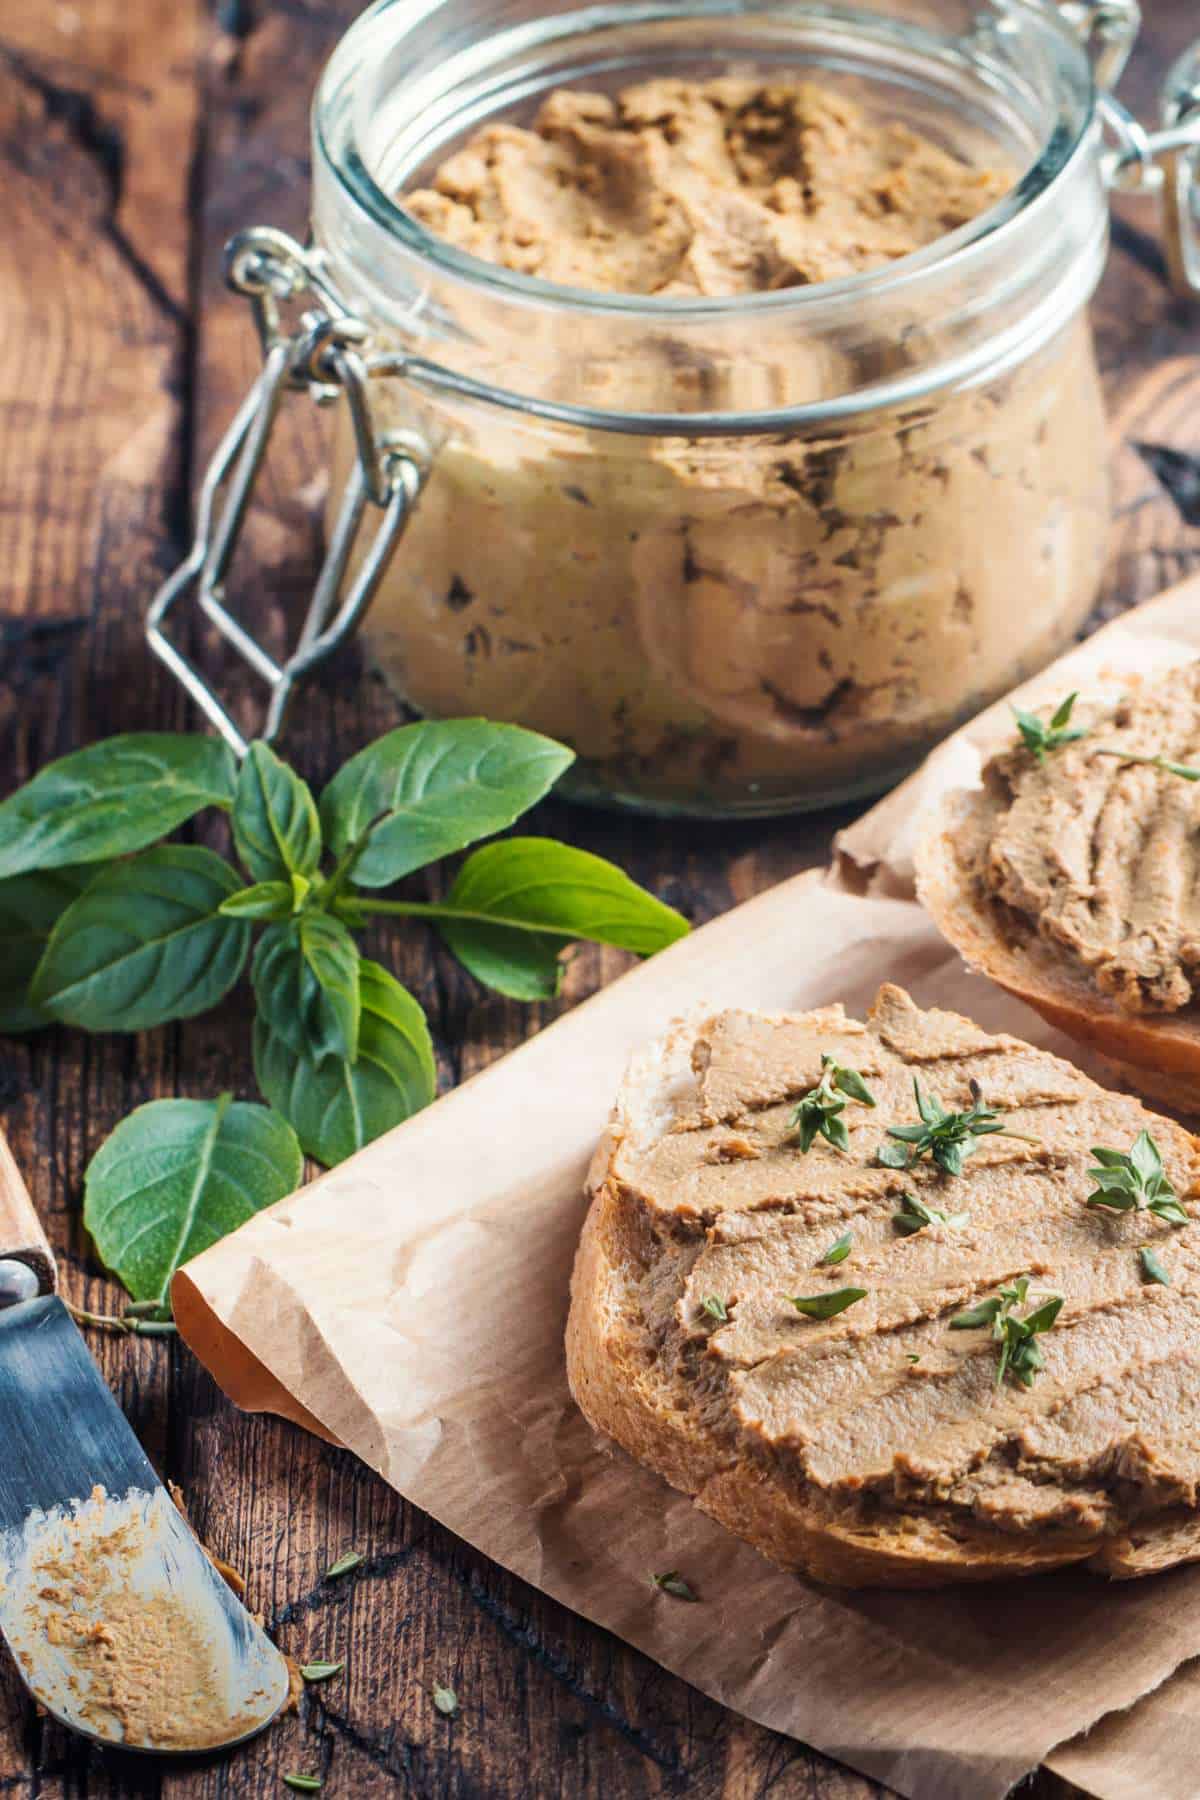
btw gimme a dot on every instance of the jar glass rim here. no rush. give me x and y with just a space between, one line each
354 178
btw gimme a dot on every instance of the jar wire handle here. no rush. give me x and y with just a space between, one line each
320 357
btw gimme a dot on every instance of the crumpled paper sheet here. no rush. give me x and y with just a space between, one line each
410 1305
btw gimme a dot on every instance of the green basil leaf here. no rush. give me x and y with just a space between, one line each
525 965
176 1176
543 887
335 1106
426 790
30 907
112 798
145 943
306 985
265 900
275 825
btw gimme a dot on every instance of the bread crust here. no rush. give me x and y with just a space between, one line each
1155 1054
620 1385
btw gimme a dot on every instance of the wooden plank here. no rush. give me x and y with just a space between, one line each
98 116
137 139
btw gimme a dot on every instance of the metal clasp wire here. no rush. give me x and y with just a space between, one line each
1166 162
321 356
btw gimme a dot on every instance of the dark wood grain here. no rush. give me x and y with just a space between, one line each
135 136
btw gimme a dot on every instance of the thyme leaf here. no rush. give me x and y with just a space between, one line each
838 1251
826 1306
914 1215
715 1307
1152 1269
1040 737
445 1699
344 1564
672 1582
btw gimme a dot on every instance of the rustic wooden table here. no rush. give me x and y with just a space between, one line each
136 136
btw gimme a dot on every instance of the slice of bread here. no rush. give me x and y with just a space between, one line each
1158 1054
875 1447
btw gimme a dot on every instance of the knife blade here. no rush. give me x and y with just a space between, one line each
118 1622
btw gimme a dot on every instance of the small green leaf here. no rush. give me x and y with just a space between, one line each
1152 1268
426 790
306 979
112 798
265 900
826 1306
838 1251
344 1564
715 1307
850 1082
985 1313
275 825
914 1216
30 906
445 1699
672 1582
303 1784
337 1107
145 943
176 1176
320 1671
547 887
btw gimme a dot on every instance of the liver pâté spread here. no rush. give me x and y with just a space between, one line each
1100 855
885 1424
735 623
716 188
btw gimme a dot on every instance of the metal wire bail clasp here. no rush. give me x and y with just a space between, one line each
1164 162
322 356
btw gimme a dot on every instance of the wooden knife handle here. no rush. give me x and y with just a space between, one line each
21 1234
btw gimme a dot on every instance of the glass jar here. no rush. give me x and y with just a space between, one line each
745 555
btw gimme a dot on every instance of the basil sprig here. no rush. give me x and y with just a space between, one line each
105 928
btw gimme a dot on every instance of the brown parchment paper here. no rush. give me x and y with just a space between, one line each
410 1305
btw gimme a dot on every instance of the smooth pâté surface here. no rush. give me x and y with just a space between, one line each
135 139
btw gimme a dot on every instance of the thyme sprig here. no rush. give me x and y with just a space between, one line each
819 1112
1021 1355
947 1137
1134 1180
1183 770
1038 736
